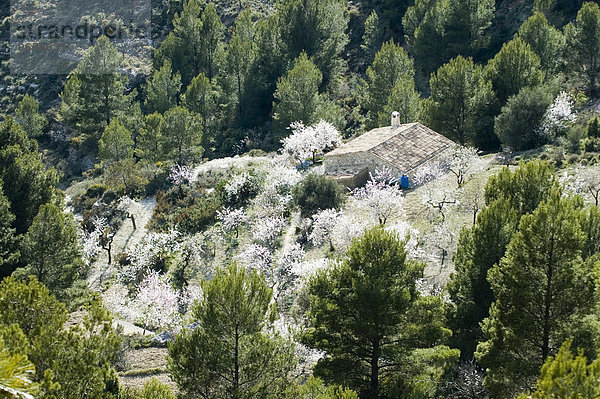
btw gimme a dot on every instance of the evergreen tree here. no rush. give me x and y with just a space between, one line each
154 389
94 93
297 96
317 193
195 45
51 250
9 242
541 287
414 16
593 128
229 355
583 45
201 98
370 320
163 89
28 116
525 187
27 183
567 376
447 29
514 67
405 100
391 66
519 122
15 375
116 143
241 53
460 104
478 250
181 132
373 36
317 28
545 40
149 142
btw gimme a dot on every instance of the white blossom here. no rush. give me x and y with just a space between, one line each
460 162
238 186
266 230
256 257
381 199
180 174
323 226
157 303
306 141
116 300
558 115
152 249
231 219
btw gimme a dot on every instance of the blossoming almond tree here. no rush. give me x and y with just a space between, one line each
380 198
307 141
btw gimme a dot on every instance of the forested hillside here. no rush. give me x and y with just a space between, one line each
169 226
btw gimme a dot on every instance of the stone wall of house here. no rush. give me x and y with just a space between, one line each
354 163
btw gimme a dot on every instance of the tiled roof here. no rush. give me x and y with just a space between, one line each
404 147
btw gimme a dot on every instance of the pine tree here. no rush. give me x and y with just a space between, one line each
541 287
51 250
478 250
28 116
460 104
229 354
27 183
391 65
583 45
201 98
9 242
297 95
593 129
567 376
514 67
317 28
241 53
403 99
545 40
94 93
116 143
373 36
368 318
163 89
149 142
181 132
211 34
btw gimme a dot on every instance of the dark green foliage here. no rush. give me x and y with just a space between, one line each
461 104
478 250
542 288
392 70
27 183
182 135
198 216
545 40
370 320
518 125
51 251
95 91
9 242
442 30
228 355
317 192
297 96
195 44
201 97
317 28
116 143
567 376
373 36
593 128
149 141
28 116
514 67
163 89
71 362
526 187
583 46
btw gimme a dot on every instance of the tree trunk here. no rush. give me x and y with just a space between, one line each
374 392
236 371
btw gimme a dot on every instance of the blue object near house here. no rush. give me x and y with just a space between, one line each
404 182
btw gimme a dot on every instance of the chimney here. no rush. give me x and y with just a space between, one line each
395 119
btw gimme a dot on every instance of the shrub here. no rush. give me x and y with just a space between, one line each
593 129
518 125
317 192
199 216
591 144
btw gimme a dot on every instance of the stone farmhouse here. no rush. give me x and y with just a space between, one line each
402 148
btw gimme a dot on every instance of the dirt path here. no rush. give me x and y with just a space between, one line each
125 237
